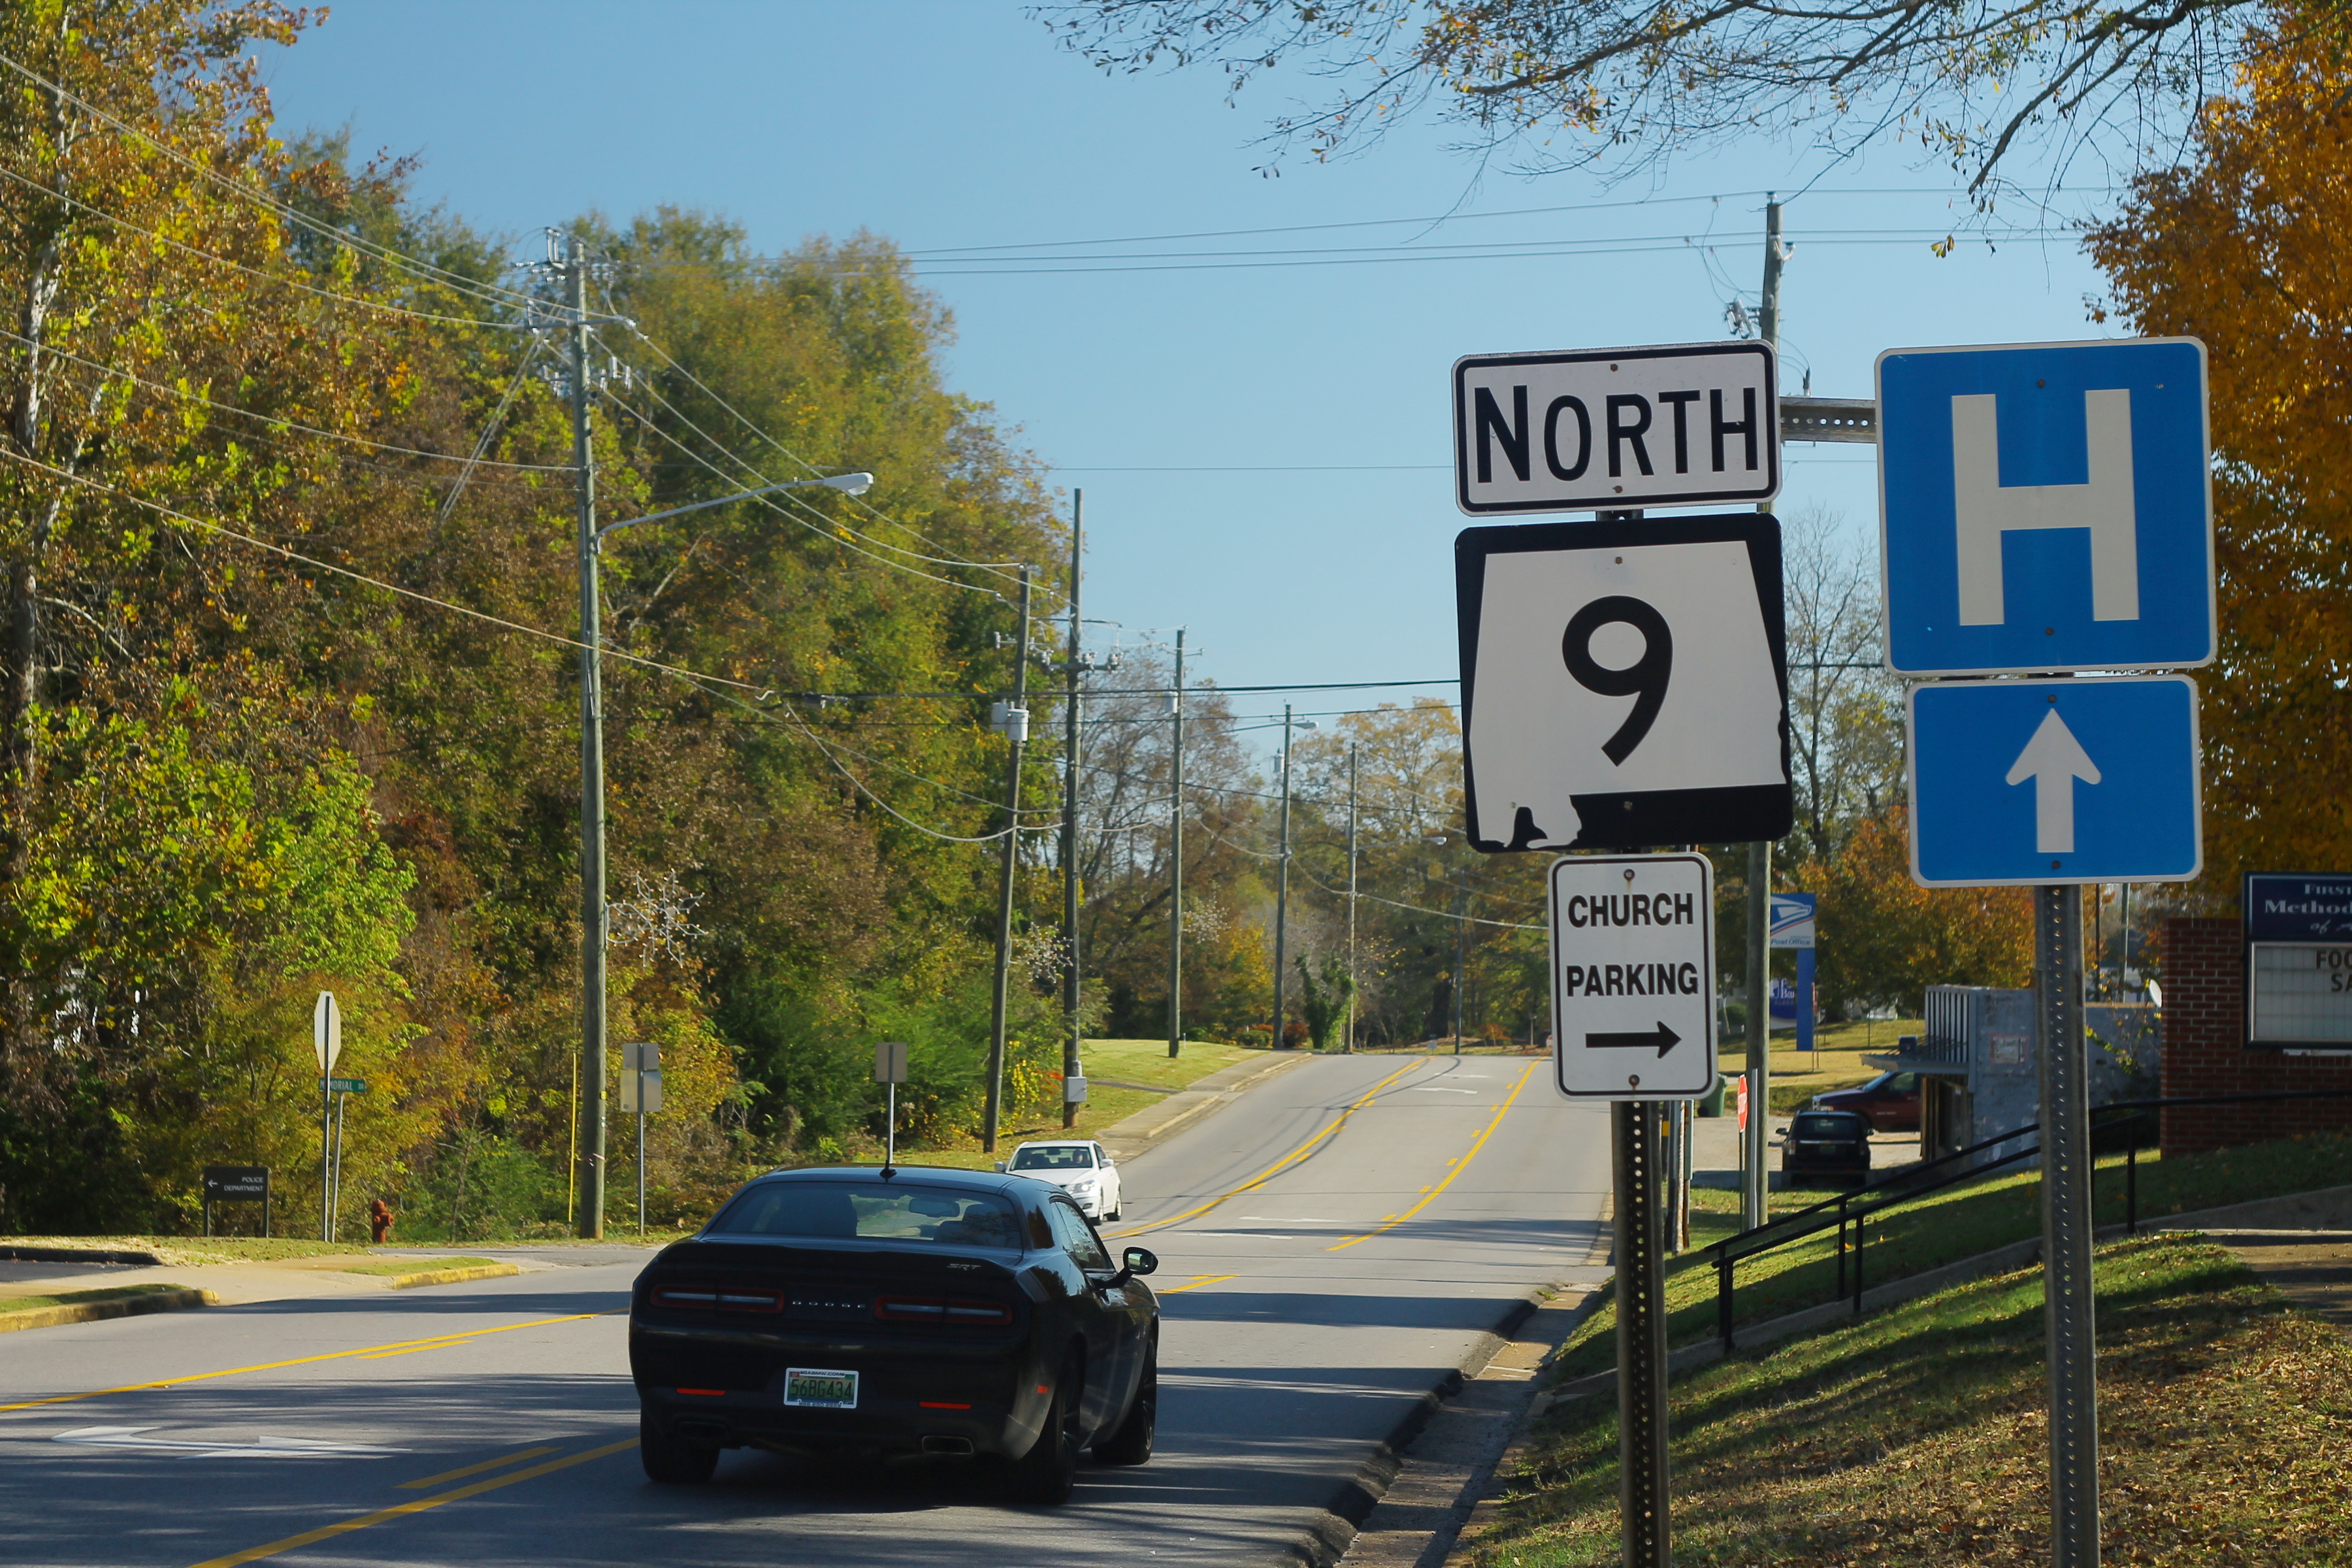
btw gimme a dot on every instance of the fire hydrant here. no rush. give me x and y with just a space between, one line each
380 1221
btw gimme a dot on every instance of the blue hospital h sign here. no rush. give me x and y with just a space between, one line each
2046 508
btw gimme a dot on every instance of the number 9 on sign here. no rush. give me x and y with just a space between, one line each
1647 676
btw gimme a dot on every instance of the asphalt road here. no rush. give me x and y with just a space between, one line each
1331 1244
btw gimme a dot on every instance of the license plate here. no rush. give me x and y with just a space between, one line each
825 1390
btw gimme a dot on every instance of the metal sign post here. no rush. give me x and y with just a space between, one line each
890 1068
327 1042
1641 1336
641 1092
2066 1226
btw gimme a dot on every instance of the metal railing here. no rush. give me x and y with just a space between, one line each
1914 1182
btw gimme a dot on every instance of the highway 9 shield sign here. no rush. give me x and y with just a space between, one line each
1632 977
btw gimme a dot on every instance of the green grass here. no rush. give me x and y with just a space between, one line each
71 1298
398 1266
1946 1227
1916 1435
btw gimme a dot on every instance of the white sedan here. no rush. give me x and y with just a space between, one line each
1082 1169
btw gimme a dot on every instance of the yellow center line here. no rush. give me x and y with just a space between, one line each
1195 1285
1429 1195
362 1351
1287 1160
344 1527
460 1474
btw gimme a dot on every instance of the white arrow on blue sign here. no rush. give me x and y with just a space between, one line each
2030 782
2046 507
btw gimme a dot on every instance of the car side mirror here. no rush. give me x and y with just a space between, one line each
1004 1166
1140 1260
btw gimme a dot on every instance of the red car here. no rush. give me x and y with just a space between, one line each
1891 1101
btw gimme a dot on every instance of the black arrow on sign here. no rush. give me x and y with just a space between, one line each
1663 1038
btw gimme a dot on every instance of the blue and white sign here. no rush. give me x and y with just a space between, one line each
2024 782
2046 507
1791 920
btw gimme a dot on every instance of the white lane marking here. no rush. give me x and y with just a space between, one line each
1434 1089
1281 1219
1240 1234
263 1446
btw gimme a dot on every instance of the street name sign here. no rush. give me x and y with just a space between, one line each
1623 683
2051 781
347 1085
1790 919
2046 507
2298 932
1674 425
1632 977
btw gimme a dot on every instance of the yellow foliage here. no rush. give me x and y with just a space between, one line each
2243 249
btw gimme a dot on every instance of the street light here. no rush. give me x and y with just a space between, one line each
589 1170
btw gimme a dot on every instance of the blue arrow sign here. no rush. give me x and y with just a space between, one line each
2020 781
2046 507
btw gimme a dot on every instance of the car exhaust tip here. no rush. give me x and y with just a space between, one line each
960 1447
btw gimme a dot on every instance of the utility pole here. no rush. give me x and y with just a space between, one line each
1072 1067
591 1155
1282 888
1015 725
1348 1042
1176 857
1755 1187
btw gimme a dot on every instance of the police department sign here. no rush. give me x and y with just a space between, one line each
1632 965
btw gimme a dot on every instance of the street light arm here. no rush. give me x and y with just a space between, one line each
848 484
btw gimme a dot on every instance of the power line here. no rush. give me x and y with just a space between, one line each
455 282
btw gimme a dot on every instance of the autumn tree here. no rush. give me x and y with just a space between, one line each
2240 245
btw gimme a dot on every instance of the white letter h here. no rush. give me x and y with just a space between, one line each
1984 508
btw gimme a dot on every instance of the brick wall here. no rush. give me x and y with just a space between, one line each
2205 1052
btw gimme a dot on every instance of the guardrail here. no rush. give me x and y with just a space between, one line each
1906 1186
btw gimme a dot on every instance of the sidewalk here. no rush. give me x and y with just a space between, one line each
236 1284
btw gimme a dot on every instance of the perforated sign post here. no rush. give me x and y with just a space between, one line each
2046 508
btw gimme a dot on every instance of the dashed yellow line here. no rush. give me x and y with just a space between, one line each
418 1505
1429 1195
396 1347
1195 1285
1284 1163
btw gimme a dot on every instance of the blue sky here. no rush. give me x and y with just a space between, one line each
1263 444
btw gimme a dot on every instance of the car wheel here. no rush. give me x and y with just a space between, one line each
669 1461
1049 1470
1131 1444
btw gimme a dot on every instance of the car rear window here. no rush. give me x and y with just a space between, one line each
878 1211
1055 1157
1824 1126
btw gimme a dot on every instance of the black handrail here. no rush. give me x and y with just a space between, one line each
1905 1186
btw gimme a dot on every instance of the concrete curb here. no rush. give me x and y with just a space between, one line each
451 1276
79 1255
1326 1541
99 1311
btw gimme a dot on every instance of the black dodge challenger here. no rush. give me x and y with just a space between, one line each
896 1312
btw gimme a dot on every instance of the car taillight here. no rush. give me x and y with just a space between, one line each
718 1300
933 1309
